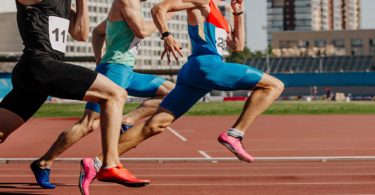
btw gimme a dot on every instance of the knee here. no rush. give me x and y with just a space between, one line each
154 128
169 86
118 95
278 86
88 128
85 127
166 88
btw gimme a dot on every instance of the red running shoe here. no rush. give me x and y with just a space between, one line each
121 176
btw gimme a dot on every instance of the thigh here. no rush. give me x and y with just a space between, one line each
144 85
210 72
23 103
182 98
66 80
119 74
232 76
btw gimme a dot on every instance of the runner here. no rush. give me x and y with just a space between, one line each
205 70
44 26
121 32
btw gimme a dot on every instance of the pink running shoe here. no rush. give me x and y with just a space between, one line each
235 146
87 175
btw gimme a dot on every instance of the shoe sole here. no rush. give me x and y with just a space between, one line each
128 184
240 157
82 174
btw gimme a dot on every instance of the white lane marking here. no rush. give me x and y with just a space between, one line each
182 138
240 184
184 159
204 154
243 175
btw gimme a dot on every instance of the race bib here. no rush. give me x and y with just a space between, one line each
58 33
221 41
134 46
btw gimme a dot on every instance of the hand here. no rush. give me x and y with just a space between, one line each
171 46
237 5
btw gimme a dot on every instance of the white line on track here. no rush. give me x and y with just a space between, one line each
220 159
182 138
204 154
240 184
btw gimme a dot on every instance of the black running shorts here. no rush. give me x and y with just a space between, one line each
35 78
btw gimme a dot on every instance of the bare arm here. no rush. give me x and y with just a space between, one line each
29 2
131 12
98 38
159 11
79 21
159 15
236 40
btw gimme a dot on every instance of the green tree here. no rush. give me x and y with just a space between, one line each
239 57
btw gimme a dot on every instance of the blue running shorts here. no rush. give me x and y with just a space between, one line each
204 73
136 84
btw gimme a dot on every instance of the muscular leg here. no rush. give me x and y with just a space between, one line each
9 122
149 106
88 123
140 132
267 91
111 99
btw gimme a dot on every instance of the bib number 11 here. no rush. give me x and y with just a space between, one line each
58 32
58 35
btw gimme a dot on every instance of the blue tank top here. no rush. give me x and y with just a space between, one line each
210 37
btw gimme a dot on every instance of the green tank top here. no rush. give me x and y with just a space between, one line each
121 44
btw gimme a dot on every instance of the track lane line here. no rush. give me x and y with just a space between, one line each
182 138
220 159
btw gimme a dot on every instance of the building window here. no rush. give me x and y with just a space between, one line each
357 47
372 42
320 43
338 43
372 46
303 44
356 42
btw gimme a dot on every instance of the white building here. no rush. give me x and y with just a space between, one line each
150 48
312 15
8 6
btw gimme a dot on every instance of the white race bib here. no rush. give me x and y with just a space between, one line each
58 32
134 46
221 41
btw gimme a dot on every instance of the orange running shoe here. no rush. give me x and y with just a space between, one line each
121 176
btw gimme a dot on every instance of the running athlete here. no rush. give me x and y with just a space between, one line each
44 26
122 32
205 70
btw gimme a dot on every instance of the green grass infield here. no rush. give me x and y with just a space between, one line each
230 108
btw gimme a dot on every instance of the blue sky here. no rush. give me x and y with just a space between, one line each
256 18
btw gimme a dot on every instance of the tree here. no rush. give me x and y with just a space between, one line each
239 57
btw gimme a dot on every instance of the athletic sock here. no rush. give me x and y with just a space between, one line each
235 133
97 164
108 167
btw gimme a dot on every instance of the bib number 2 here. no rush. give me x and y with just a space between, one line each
221 41
58 32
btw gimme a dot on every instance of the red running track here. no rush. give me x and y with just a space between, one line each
270 136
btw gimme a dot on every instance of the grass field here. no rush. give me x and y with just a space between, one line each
231 108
